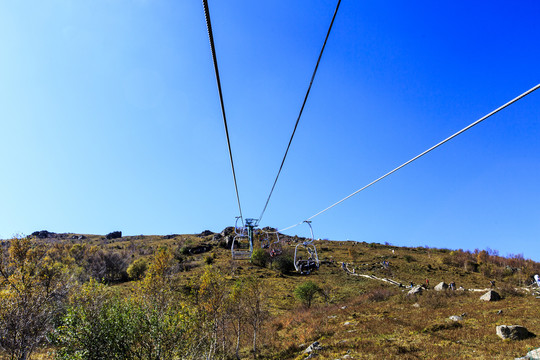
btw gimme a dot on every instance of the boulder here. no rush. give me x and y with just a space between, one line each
200 249
416 290
228 240
513 332
313 347
491 295
532 355
441 286
217 237
170 236
114 235
456 318
205 233
228 231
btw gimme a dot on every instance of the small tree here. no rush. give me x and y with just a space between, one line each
256 307
137 269
260 257
284 263
34 293
306 292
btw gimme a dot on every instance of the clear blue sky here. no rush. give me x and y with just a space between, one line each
110 119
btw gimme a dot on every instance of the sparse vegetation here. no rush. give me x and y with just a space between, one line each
69 297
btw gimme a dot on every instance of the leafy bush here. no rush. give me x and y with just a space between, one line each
409 258
32 294
184 250
150 325
284 264
260 257
137 269
208 260
99 329
306 292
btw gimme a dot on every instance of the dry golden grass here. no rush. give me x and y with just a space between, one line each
369 319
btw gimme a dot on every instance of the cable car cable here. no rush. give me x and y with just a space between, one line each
422 154
214 59
301 110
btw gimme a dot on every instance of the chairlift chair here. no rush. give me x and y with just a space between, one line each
265 241
311 262
241 238
275 247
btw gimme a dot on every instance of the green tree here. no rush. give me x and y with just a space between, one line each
306 292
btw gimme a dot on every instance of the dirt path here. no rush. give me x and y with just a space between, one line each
345 267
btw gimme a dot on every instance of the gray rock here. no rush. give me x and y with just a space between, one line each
512 332
491 295
441 286
456 318
228 231
205 233
313 347
533 355
416 290
114 235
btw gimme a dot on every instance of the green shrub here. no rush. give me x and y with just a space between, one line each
98 326
260 257
184 250
137 269
208 260
284 264
306 292
409 258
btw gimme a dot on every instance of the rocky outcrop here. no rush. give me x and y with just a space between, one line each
491 295
441 286
313 347
43 234
114 235
513 332
205 233
416 290
228 231
200 249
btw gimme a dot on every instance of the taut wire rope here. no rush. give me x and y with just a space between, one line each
214 59
420 155
301 110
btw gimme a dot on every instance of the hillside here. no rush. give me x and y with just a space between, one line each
358 310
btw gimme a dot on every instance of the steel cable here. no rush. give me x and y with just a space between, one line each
301 110
214 59
420 155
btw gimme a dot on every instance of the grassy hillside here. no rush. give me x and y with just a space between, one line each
355 314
